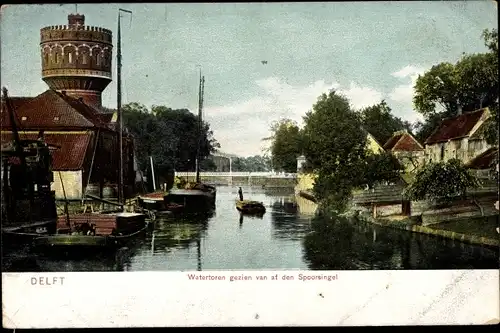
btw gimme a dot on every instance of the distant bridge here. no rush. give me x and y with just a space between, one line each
266 174
271 179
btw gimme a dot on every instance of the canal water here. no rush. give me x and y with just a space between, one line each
285 238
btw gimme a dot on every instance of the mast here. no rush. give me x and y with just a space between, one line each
200 125
119 107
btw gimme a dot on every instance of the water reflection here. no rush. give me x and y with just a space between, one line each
347 244
286 221
283 238
243 217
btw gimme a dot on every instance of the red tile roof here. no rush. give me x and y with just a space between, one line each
72 147
106 117
53 110
484 160
16 101
456 127
403 141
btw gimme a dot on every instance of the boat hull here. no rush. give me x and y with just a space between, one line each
159 206
156 204
251 207
23 234
193 200
81 242
96 231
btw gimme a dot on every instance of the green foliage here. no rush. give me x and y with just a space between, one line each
438 86
441 182
424 129
379 168
208 165
169 135
471 83
255 163
491 40
286 145
334 145
379 121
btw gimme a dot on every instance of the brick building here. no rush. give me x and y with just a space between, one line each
76 65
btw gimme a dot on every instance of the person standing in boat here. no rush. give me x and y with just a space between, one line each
240 193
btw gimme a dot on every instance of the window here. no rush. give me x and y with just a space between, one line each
98 59
442 152
23 118
56 118
70 58
84 58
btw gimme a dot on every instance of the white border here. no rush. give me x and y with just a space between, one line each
152 299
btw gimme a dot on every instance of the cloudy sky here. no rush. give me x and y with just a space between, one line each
368 50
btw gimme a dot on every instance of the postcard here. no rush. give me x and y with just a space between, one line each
249 164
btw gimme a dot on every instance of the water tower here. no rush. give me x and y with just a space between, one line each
77 59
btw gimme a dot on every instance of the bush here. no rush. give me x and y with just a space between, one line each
441 182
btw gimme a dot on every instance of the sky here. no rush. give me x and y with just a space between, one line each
369 51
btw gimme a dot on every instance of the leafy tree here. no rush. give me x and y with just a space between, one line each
286 145
470 84
441 182
169 136
379 121
379 168
239 164
183 134
208 165
255 163
335 148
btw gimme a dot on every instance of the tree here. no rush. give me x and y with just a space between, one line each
183 126
335 147
379 121
286 145
170 136
441 182
470 84
208 165
379 168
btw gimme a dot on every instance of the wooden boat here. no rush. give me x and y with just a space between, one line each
250 207
152 201
194 197
156 203
28 204
90 230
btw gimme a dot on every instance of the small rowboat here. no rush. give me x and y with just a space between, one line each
250 207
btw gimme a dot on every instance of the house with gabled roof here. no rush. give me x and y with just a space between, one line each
458 137
406 149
